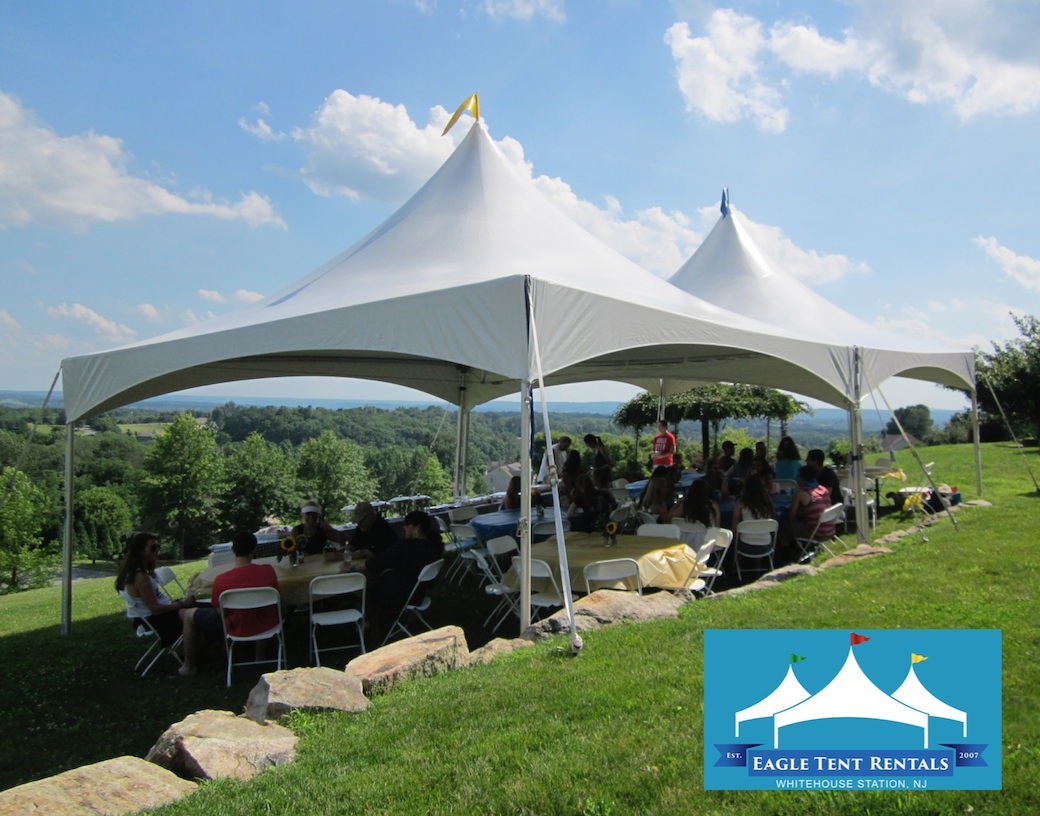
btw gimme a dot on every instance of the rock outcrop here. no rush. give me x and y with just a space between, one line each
425 654
312 689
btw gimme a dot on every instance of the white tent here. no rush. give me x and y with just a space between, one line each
730 270
851 694
790 692
476 287
914 694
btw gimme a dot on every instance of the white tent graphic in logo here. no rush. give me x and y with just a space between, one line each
790 692
914 694
851 694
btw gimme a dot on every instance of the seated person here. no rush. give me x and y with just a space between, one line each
697 506
824 475
393 571
316 530
591 505
727 460
658 498
241 622
762 467
136 577
808 504
788 459
373 533
512 497
572 469
754 504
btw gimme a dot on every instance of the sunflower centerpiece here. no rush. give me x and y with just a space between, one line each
292 547
610 530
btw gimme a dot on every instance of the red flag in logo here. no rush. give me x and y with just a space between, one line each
855 639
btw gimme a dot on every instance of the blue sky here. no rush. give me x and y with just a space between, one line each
161 162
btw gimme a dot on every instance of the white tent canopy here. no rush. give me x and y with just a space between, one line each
851 694
790 692
914 694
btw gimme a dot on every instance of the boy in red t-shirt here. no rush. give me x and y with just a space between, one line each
664 446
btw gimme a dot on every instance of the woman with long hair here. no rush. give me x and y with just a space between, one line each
754 503
698 506
136 577
658 498
788 459
600 458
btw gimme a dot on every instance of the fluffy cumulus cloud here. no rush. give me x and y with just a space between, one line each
978 56
1020 268
957 323
101 326
212 296
147 311
73 181
808 265
362 147
525 9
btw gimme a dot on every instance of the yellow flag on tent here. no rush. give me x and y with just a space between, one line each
471 104
916 658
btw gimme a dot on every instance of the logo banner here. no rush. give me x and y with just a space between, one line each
797 709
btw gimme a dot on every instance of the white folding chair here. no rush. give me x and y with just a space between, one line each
414 606
143 629
548 597
497 548
646 518
703 575
464 540
460 515
506 595
814 543
544 529
243 600
612 571
344 586
691 533
658 530
848 498
756 528
167 578
219 559
786 486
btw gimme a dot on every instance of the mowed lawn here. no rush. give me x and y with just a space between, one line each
616 730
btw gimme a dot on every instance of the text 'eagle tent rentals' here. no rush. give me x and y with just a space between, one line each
731 271
477 287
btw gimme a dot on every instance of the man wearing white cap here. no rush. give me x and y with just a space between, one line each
373 534
317 530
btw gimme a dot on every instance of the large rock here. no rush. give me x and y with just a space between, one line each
424 655
772 579
280 692
605 607
493 648
855 554
212 744
116 786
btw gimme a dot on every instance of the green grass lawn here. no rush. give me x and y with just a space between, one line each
616 730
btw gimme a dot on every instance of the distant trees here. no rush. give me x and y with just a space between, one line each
1012 371
915 419
24 560
183 480
332 470
101 520
260 482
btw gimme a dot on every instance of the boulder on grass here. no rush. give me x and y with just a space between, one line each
605 607
211 744
116 786
493 648
421 656
307 689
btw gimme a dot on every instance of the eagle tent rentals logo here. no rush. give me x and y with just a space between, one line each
798 709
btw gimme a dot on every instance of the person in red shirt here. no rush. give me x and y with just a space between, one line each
664 446
241 622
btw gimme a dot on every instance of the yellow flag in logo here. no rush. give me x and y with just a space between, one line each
916 658
471 104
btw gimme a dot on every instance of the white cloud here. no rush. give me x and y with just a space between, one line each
1020 268
102 326
976 55
808 265
73 181
526 9
212 296
7 322
245 296
719 75
362 147
147 311
958 323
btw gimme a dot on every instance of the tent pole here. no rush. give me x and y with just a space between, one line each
975 436
856 433
461 443
524 527
66 537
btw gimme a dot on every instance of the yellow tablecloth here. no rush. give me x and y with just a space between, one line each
663 562
294 582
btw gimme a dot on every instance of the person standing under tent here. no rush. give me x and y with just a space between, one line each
600 459
663 446
559 456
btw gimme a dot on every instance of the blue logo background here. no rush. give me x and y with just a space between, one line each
963 670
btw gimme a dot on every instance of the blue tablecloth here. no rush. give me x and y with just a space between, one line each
504 522
635 489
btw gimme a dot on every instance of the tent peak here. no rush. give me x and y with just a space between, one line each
724 206
472 104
